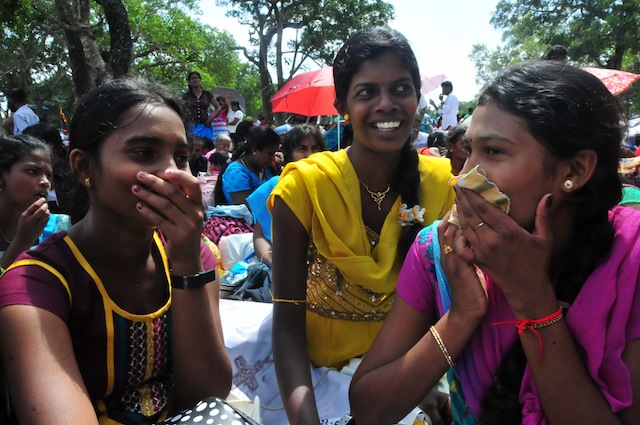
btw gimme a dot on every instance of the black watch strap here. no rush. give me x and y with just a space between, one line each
192 281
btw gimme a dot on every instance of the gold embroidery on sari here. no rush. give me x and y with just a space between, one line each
330 295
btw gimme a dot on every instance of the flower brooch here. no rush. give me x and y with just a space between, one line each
410 216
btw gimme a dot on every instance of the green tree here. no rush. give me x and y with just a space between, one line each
288 33
50 47
596 33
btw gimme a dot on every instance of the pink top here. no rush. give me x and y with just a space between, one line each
604 317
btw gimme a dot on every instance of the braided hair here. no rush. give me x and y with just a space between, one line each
369 44
567 110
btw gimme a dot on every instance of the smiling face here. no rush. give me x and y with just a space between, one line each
513 159
28 179
151 138
381 102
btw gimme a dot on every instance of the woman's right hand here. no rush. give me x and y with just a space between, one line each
468 295
32 222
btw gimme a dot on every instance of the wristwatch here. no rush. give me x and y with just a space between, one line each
192 281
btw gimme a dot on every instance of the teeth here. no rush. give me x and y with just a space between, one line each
389 125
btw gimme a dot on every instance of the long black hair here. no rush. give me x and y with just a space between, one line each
369 44
259 138
99 113
567 110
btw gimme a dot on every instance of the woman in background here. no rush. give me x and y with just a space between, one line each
249 167
298 143
456 148
26 170
198 101
62 180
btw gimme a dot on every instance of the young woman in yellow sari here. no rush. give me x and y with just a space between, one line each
343 220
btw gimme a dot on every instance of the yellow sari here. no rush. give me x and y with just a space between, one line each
347 303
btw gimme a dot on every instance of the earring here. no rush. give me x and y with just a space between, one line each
87 182
346 117
568 184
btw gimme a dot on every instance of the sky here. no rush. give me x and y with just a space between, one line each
441 33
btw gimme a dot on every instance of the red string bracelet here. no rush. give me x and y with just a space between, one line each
533 324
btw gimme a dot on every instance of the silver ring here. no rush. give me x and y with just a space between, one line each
479 225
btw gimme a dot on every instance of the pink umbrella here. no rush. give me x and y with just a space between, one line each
309 94
615 80
429 84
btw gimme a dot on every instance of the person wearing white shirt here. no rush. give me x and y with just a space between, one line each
234 117
449 107
23 116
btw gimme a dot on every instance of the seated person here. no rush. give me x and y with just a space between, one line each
116 321
249 168
299 143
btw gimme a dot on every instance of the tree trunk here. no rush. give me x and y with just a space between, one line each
265 78
80 70
88 67
120 34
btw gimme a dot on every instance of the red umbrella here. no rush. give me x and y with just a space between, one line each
309 94
615 80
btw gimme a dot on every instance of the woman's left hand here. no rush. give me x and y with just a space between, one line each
516 260
173 203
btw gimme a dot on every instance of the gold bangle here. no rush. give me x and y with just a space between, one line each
284 300
263 254
443 347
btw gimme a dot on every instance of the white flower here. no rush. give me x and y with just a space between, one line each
410 216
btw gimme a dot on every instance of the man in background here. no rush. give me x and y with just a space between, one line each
448 109
23 116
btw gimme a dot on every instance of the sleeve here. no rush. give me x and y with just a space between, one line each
19 123
33 285
258 201
416 284
235 179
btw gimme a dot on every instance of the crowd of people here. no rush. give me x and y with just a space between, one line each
480 271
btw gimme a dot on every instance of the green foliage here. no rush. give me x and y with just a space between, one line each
286 34
248 84
168 43
599 33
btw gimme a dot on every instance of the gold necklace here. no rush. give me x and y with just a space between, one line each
259 173
378 197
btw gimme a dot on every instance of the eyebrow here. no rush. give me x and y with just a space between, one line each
486 137
371 83
152 140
